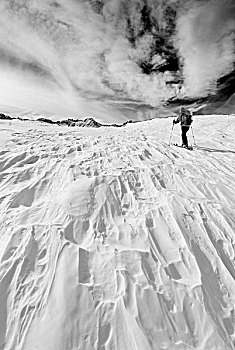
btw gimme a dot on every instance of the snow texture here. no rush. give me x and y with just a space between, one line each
111 239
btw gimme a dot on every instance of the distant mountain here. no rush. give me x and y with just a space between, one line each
84 123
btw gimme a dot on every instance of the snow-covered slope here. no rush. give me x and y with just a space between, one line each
113 240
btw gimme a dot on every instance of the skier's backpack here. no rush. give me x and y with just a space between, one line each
186 118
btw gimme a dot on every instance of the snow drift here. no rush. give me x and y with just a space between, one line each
112 239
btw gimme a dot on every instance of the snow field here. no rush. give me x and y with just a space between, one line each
112 239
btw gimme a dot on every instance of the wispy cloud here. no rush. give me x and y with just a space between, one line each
205 39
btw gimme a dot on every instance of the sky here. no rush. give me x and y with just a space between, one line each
110 58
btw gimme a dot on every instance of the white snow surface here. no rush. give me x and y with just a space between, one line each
111 239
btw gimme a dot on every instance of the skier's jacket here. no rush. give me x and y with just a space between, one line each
185 118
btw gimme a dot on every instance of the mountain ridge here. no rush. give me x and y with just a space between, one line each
87 122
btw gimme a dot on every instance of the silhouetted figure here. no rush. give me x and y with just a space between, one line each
185 120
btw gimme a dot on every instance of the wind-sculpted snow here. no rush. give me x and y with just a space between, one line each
112 239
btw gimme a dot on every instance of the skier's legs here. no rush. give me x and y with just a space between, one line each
184 129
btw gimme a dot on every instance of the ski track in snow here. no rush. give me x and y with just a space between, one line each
112 239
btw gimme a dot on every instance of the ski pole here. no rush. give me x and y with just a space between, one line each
193 135
171 134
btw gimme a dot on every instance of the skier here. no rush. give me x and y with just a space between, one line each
185 119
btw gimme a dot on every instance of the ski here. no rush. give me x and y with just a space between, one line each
190 148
